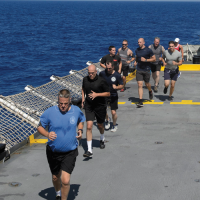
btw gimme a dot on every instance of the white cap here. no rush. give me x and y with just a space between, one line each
177 40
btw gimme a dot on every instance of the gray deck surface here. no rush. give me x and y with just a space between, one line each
132 166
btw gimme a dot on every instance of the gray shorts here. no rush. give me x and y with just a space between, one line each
143 76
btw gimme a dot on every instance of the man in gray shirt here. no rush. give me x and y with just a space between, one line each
156 66
127 57
171 60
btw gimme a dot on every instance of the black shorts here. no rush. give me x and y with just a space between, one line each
99 112
171 74
61 161
125 70
143 76
116 68
155 68
113 102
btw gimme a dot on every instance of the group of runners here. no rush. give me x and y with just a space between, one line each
59 123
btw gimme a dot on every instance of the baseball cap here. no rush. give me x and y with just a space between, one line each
177 40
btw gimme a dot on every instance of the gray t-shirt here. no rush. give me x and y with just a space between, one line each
170 57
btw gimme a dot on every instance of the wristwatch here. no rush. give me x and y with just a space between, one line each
80 130
146 60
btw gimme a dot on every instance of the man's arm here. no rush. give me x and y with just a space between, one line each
83 97
102 63
163 49
132 57
120 67
178 63
163 60
80 130
152 59
118 51
93 95
50 135
119 87
181 48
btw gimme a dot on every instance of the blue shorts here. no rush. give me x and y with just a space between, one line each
171 74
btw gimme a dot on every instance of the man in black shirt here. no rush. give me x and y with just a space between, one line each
144 57
115 83
94 91
112 57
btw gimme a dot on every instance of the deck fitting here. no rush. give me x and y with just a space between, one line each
14 184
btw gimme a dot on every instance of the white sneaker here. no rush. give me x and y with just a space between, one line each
179 74
114 128
107 123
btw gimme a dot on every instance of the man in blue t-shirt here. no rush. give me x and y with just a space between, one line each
61 150
115 83
144 57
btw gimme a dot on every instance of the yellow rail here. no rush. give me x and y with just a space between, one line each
187 67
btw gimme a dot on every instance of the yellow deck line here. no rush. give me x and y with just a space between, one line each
121 102
39 141
187 67
186 102
131 76
149 102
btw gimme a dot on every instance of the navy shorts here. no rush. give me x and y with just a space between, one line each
171 74
61 161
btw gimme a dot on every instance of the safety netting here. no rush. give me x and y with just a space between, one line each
20 113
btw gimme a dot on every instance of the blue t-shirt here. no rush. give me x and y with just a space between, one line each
146 53
111 79
64 125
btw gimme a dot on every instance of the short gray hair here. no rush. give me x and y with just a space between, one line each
64 93
157 38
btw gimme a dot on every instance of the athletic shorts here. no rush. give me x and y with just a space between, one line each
143 76
61 161
125 70
155 68
171 74
112 101
99 112
116 68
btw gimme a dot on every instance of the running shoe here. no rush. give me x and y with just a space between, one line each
165 90
179 74
122 90
102 145
107 123
151 95
58 197
155 88
140 103
114 128
88 154
170 99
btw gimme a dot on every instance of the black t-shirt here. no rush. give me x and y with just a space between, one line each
111 79
97 85
116 59
146 53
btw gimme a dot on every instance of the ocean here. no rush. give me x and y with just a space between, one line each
40 39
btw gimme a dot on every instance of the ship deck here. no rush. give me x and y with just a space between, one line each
153 155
